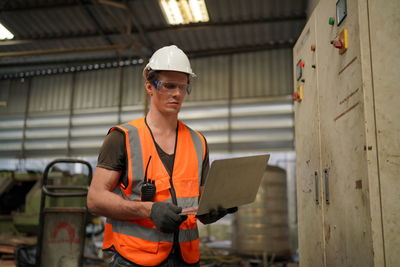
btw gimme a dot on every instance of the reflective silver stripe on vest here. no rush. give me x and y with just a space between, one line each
187 202
136 160
152 234
188 235
199 152
132 229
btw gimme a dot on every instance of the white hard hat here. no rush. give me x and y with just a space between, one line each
169 58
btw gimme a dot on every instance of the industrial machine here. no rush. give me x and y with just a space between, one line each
56 199
346 77
19 202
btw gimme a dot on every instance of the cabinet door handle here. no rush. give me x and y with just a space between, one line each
326 175
316 184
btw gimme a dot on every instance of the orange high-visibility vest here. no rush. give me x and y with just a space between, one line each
139 240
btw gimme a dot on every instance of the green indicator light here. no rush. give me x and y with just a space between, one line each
331 21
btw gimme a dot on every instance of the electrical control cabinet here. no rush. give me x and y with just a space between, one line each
347 134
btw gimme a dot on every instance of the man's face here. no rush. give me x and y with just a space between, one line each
168 92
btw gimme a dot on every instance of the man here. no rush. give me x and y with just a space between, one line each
151 168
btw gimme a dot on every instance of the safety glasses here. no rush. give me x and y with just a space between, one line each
168 88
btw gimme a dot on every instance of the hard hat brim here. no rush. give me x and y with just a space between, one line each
148 68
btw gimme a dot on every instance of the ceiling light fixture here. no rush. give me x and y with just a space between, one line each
184 11
4 33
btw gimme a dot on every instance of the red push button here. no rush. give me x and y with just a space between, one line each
337 43
298 94
295 96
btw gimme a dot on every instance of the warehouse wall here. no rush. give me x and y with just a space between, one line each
68 114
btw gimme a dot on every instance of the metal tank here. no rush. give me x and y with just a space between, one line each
261 228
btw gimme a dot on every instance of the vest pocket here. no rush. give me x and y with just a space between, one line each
148 242
187 187
162 189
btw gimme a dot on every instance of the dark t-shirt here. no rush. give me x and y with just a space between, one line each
112 155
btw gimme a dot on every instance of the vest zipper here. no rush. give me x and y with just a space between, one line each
172 189
174 200
173 193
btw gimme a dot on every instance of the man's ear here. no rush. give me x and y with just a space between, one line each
149 88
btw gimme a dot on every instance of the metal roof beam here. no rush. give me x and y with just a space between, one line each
191 54
51 5
113 3
7 68
95 21
61 51
187 27
139 27
193 26
242 49
135 44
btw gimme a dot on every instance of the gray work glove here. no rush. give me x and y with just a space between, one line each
165 216
215 214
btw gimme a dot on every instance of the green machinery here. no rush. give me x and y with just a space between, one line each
50 206
20 196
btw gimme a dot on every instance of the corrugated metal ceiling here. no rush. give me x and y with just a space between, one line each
139 28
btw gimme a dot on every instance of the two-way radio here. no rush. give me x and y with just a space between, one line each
148 189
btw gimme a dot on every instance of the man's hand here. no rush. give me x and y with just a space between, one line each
166 216
214 215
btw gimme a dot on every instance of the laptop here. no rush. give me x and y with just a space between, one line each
230 183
